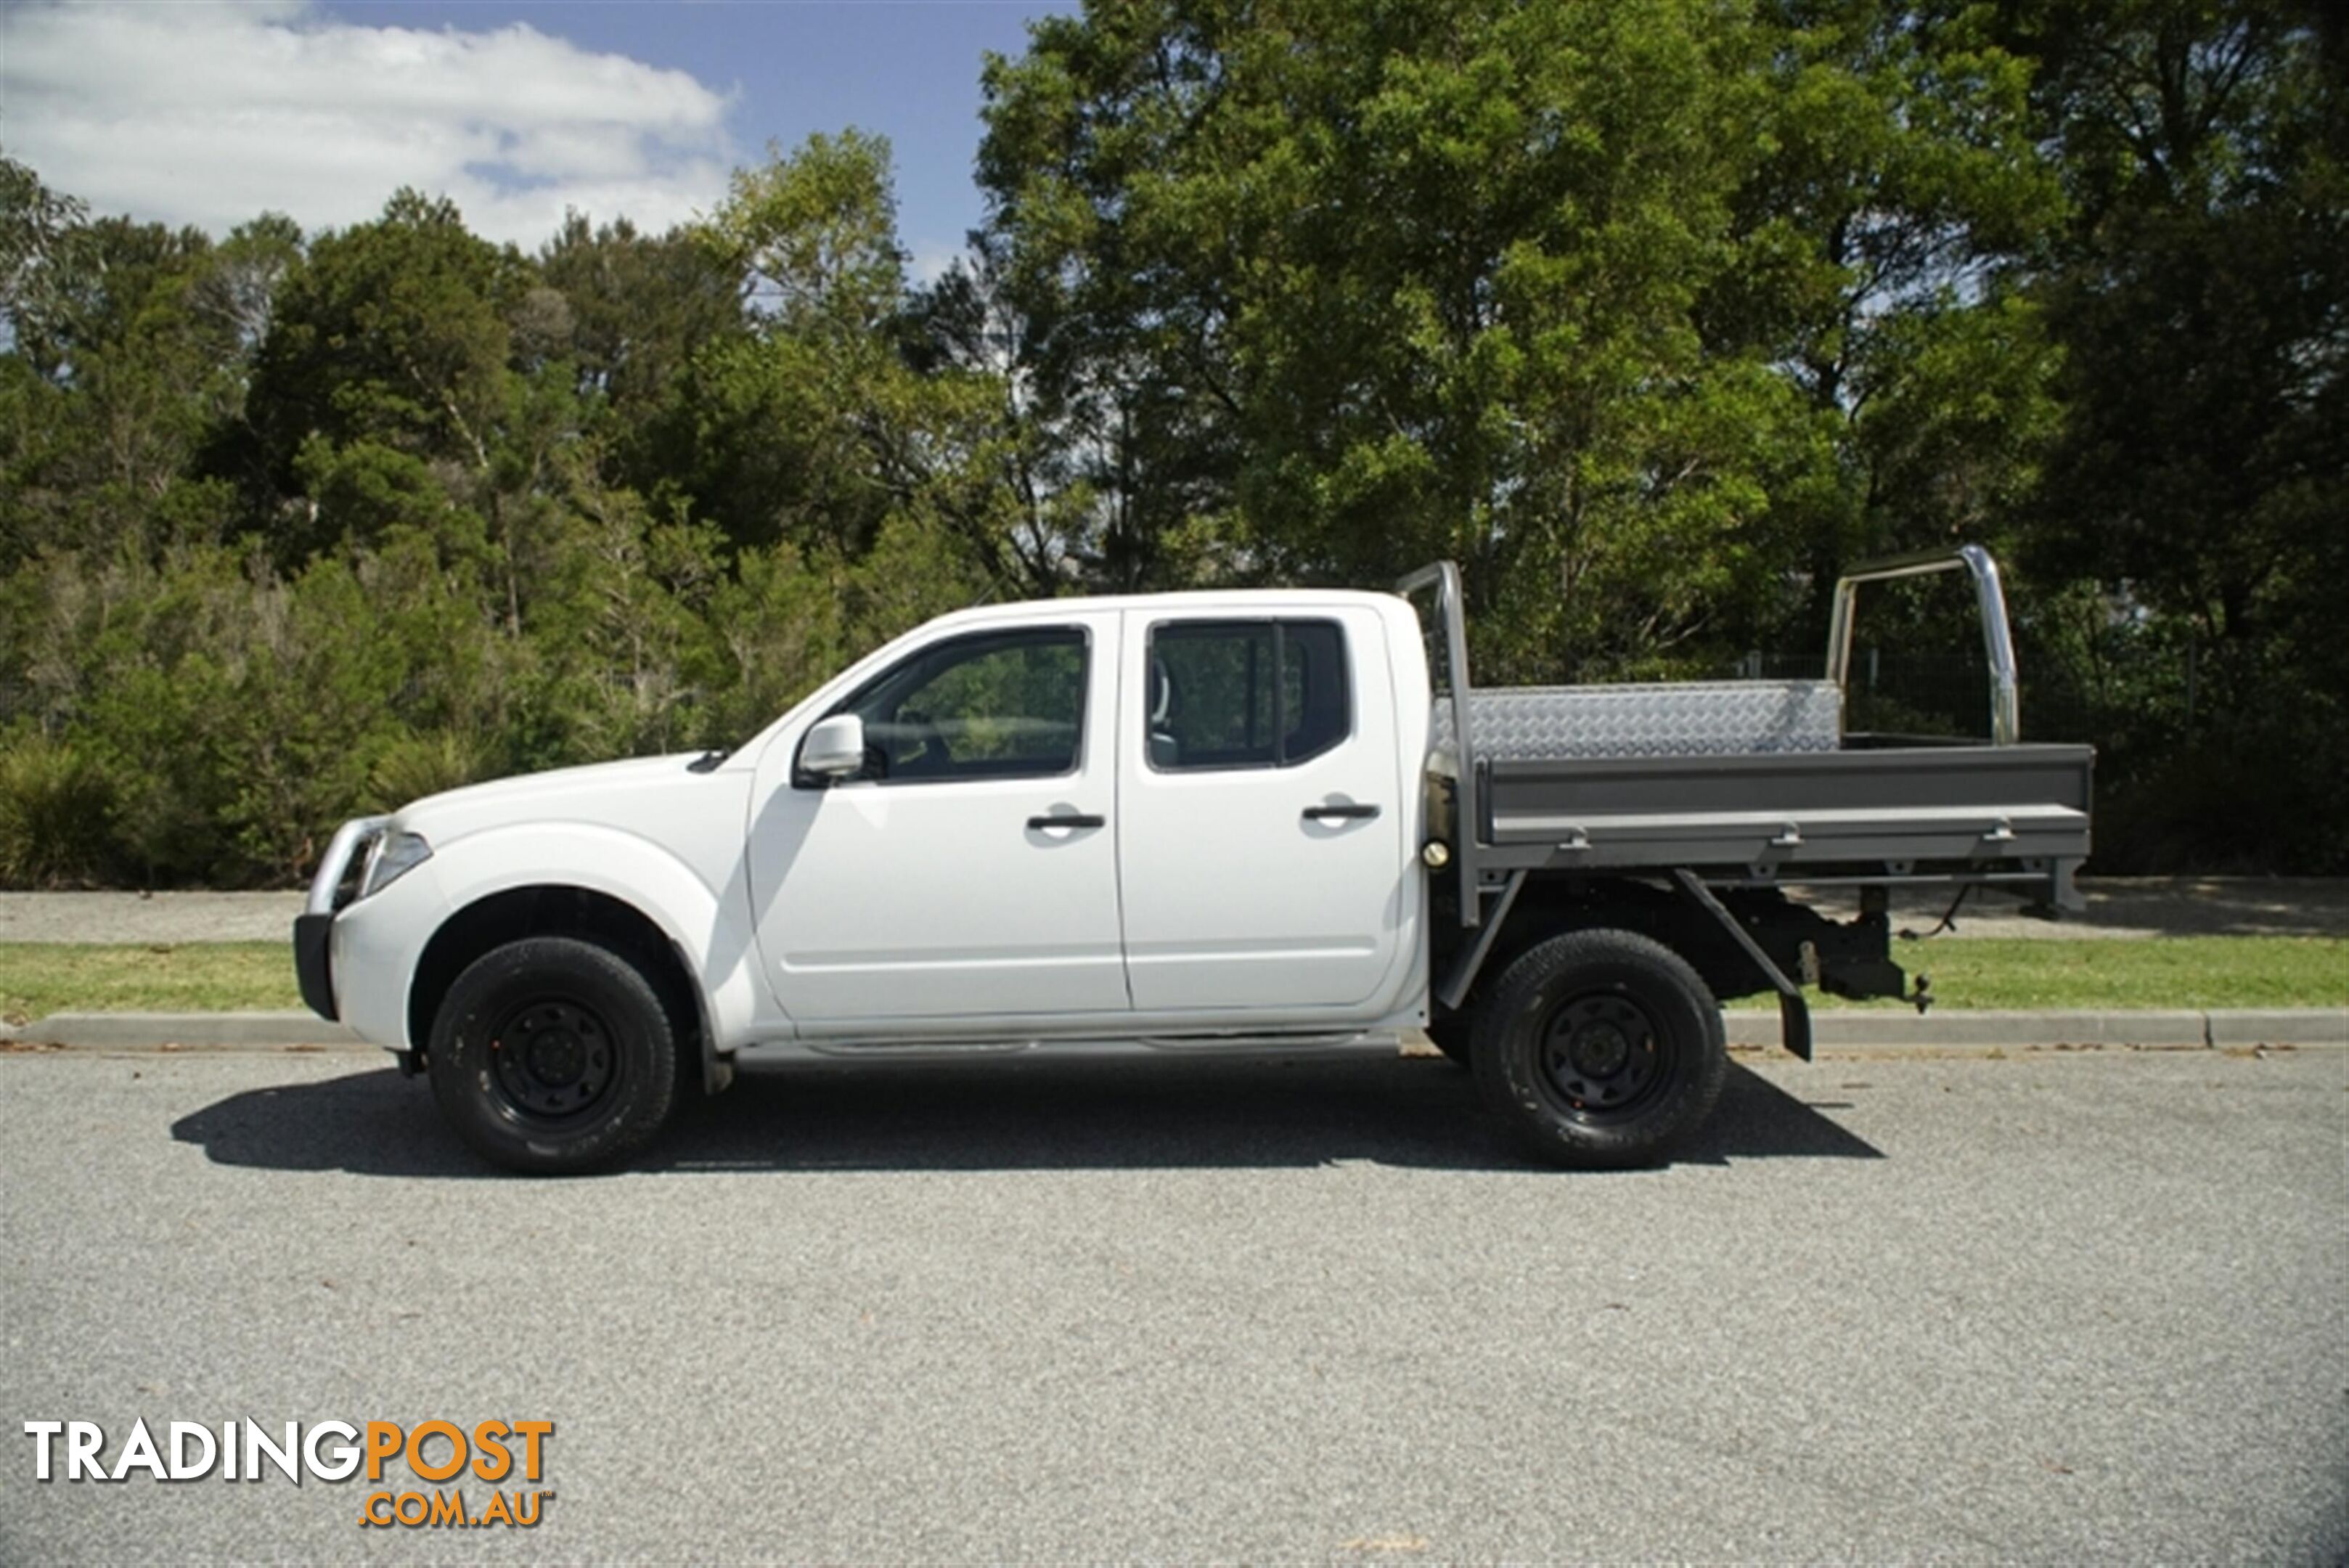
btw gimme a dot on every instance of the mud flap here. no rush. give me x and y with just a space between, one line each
1795 1023
1794 1012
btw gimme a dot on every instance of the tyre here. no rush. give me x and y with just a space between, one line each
552 1054
1600 1049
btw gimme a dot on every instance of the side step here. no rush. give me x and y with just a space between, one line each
1374 1041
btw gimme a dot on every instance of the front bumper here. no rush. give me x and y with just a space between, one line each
313 962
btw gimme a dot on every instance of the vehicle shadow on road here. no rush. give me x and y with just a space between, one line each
1025 1115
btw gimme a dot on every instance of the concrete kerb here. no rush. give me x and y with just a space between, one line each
1948 1029
2102 1029
1945 1031
2239 1027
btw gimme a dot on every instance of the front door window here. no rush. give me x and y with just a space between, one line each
997 706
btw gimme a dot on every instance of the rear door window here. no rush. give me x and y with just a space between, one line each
1246 694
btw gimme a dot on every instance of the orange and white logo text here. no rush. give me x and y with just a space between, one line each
444 1474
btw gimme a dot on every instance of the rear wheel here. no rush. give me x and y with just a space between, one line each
1600 1049
552 1054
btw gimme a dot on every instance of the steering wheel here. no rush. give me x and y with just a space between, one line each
916 728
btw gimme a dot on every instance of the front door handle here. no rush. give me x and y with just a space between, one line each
1340 813
1071 821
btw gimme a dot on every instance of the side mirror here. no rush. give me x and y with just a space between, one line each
834 748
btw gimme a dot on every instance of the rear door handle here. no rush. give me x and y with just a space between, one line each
1071 821
1340 813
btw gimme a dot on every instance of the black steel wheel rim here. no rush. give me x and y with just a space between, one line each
1602 1058
552 1061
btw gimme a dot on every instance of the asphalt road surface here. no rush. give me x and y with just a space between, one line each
2060 1308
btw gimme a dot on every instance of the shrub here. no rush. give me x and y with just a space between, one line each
56 814
417 765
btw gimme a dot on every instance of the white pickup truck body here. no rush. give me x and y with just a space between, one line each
934 906
1218 821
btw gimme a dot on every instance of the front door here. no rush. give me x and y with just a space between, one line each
1262 813
969 871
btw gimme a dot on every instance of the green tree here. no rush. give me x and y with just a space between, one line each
1885 234
1015 491
824 428
115 385
1334 289
789 435
2201 298
40 229
640 306
388 350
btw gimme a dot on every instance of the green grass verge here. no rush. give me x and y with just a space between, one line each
2003 972
40 978
36 979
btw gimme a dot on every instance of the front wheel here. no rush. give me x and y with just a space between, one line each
1600 1049
552 1054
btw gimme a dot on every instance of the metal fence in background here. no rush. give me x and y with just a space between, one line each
1896 691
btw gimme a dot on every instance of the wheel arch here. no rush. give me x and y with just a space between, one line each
608 886
1554 905
563 909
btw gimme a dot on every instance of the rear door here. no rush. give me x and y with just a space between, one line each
1261 813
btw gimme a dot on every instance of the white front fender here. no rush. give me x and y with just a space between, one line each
379 941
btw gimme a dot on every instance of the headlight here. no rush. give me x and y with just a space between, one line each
395 856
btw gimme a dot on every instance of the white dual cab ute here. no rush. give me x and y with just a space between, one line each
1191 824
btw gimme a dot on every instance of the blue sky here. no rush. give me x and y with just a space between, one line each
207 112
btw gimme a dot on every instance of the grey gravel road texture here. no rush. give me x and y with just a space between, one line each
2065 1308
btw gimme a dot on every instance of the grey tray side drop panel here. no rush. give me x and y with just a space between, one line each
1682 718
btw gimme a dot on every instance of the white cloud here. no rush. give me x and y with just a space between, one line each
927 260
213 113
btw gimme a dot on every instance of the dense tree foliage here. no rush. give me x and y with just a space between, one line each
2201 478
1653 313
